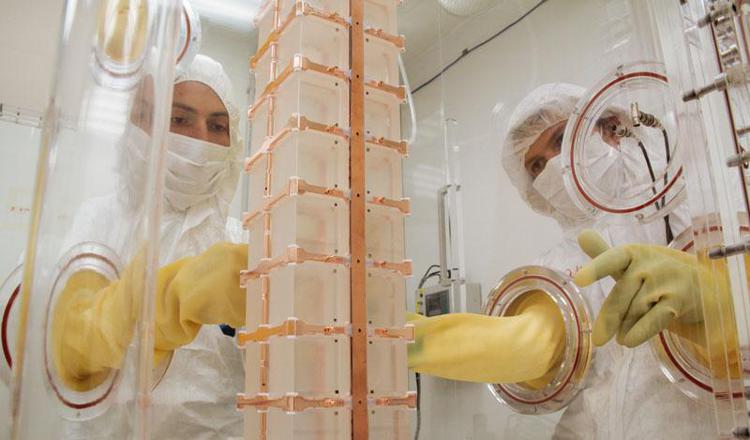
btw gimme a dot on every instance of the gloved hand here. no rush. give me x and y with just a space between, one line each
93 320
486 349
655 287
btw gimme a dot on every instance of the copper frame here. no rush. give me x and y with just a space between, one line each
301 8
357 262
296 123
295 187
294 255
302 64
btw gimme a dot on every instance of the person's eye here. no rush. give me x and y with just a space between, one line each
179 120
537 166
219 128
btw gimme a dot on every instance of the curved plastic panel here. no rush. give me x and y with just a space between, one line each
95 224
189 40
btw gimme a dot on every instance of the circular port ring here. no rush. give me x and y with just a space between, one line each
79 405
677 360
577 356
589 111
10 292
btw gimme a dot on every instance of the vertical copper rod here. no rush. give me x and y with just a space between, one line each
266 236
265 281
357 241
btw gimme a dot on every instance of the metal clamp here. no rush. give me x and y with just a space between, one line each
741 159
735 75
719 11
728 251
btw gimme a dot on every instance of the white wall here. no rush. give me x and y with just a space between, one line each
560 41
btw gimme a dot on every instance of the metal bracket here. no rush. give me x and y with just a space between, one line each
728 251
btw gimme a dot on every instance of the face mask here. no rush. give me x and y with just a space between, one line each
549 184
195 170
604 168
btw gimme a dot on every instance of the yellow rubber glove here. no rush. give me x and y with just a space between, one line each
655 287
93 321
486 349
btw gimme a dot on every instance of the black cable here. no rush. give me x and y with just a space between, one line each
473 48
426 272
650 168
668 227
419 405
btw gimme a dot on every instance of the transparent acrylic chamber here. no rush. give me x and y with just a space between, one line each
306 216
94 216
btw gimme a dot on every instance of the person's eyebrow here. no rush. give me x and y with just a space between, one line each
219 115
184 107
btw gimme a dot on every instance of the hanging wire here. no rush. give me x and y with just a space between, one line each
469 50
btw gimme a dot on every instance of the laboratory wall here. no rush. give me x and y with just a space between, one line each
478 92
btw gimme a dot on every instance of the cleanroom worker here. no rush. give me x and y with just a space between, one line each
197 284
626 395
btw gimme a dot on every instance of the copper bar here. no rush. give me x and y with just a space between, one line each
290 403
267 235
301 123
300 187
294 255
397 40
408 400
406 333
263 426
272 38
297 186
265 367
402 205
330 16
400 146
256 105
398 91
403 267
290 327
254 158
301 64
265 284
357 239
248 217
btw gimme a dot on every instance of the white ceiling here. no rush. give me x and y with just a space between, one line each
433 38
